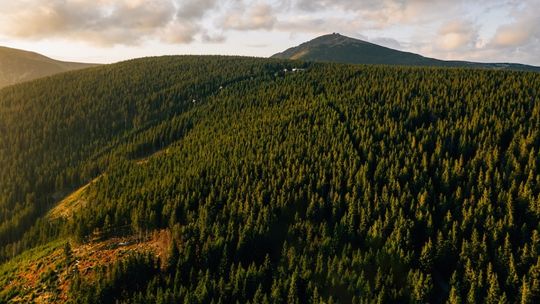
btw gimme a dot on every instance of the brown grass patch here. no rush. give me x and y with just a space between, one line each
31 278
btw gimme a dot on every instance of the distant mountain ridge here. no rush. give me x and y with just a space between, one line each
338 48
18 66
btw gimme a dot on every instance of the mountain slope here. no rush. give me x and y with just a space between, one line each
229 179
19 66
338 48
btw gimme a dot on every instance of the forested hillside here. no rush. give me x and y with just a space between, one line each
330 184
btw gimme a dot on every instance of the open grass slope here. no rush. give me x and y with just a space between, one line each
70 204
18 66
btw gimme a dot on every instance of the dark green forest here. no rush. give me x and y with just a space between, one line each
331 184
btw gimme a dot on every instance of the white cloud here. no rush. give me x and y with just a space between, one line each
500 31
525 28
457 34
387 42
213 38
495 30
104 22
194 9
510 36
253 17
178 32
380 14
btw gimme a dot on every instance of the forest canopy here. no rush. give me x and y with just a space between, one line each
330 184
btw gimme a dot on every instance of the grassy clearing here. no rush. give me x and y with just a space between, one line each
71 203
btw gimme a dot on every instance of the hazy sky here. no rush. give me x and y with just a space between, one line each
113 30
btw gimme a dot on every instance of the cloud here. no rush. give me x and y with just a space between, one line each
254 17
519 38
457 34
178 32
194 9
213 38
523 30
105 22
510 36
319 25
499 30
379 14
387 42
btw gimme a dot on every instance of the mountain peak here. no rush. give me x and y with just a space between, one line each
335 37
331 40
338 48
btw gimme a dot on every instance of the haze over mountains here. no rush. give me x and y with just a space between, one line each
19 66
338 48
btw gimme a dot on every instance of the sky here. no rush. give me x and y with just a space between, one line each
106 31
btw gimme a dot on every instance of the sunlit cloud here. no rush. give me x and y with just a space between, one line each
496 30
105 22
253 17
457 34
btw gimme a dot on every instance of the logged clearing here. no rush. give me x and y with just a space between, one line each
43 276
